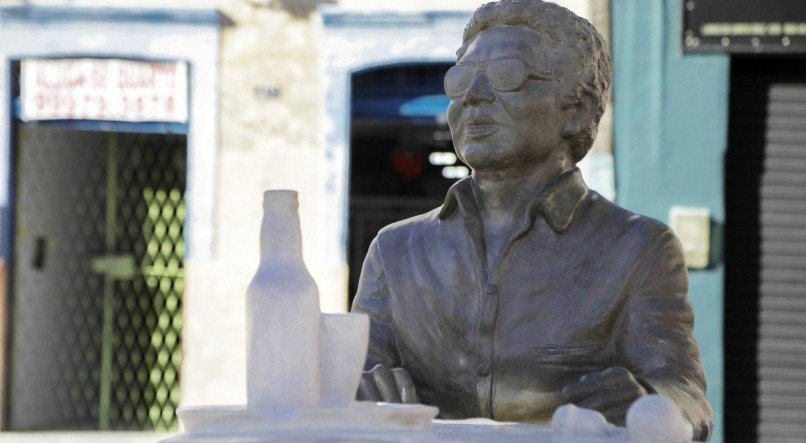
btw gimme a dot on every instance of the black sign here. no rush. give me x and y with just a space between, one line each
744 26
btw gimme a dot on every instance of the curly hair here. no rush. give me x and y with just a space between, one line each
578 41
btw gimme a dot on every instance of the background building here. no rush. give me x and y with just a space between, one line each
709 100
129 244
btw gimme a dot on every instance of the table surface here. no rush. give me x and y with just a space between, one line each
83 437
443 431
461 431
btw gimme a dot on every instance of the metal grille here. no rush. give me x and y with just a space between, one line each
147 307
98 280
766 253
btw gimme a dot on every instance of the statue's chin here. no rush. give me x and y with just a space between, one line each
487 156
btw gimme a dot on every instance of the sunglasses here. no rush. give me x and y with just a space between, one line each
504 75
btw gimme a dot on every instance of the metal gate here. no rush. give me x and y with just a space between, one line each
765 253
97 279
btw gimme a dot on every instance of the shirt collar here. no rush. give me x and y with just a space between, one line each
557 201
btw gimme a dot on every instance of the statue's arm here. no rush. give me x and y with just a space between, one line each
657 343
372 299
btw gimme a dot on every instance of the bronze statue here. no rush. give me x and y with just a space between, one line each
526 290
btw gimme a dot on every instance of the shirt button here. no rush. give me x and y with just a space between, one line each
483 370
491 289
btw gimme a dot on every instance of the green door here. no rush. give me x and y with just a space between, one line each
97 279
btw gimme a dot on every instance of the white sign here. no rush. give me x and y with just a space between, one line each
104 89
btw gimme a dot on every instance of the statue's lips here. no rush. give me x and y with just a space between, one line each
480 130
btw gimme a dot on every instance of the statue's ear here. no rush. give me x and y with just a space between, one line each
583 112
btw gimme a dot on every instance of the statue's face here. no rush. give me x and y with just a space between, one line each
505 107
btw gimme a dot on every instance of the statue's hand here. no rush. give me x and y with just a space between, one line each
390 386
610 392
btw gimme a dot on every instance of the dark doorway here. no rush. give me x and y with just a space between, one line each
402 160
765 252
97 279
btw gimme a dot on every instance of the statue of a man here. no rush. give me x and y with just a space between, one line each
526 290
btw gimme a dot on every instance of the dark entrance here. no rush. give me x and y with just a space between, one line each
765 252
97 279
402 159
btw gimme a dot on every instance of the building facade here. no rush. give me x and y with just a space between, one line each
340 100
709 114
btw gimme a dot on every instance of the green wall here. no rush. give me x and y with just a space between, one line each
671 119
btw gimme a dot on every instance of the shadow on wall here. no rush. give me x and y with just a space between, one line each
301 8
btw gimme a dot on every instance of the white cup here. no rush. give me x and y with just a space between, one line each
344 340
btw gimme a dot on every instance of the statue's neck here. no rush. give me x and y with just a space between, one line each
503 195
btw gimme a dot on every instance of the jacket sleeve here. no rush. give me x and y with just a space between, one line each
657 342
372 299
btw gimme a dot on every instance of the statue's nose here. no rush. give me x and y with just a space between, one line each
479 90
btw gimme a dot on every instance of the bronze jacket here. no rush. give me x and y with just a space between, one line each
585 285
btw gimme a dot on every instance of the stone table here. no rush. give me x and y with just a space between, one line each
443 431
